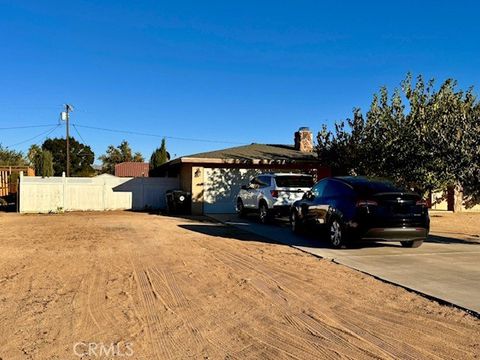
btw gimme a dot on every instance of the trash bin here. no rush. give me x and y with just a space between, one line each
178 202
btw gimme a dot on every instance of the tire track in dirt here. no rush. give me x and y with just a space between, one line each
175 298
162 345
271 291
192 312
314 324
167 286
386 345
396 320
389 345
166 296
161 316
90 317
217 341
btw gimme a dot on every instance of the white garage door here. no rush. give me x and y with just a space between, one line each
221 187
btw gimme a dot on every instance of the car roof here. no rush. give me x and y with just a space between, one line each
359 180
287 174
363 182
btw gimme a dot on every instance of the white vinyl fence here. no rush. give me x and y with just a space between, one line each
104 192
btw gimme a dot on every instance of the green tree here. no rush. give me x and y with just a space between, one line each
32 153
431 146
11 157
116 155
159 156
81 156
43 163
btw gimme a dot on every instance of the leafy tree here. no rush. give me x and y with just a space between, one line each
40 160
159 156
32 153
116 155
43 163
81 156
431 146
11 157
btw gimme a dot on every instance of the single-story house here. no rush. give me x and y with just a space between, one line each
132 169
214 178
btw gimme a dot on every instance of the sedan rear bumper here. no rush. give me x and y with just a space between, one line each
395 234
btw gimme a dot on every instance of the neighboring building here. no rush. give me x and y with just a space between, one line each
132 169
214 178
451 199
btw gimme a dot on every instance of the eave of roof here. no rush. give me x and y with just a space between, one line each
254 154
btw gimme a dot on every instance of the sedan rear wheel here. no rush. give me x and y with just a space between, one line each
412 243
336 234
295 223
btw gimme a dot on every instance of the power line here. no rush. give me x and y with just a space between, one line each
26 127
46 133
78 133
159 136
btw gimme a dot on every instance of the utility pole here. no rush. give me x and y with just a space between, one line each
66 117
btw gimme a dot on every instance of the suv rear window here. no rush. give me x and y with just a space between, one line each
294 181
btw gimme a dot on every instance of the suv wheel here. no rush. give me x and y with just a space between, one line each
412 243
263 213
336 234
240 208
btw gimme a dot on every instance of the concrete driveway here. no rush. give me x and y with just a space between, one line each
446 269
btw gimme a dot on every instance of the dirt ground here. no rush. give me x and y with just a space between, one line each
165 288
464 226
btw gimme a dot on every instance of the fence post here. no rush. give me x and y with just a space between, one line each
19 189
64 192
104 193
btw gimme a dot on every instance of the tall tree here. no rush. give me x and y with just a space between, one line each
429 147
116 155
11 157
81 156
159 156
32 153
43 163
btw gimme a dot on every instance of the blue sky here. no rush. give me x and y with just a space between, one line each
239 72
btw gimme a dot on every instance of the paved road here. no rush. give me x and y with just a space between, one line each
446 269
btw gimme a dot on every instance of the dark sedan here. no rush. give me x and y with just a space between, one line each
353 207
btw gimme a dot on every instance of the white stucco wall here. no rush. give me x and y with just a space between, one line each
105 192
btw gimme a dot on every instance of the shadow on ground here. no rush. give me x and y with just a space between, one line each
305 240
227 232
448 240
278 231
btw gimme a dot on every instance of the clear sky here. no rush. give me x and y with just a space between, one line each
233 71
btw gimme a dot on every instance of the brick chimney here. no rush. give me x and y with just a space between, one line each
304 140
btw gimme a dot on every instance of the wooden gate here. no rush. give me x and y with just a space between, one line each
9 178
4 183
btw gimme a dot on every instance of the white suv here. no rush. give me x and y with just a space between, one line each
271 194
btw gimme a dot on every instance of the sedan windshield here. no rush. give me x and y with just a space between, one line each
294 181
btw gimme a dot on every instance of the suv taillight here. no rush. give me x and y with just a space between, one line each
366 203
274 193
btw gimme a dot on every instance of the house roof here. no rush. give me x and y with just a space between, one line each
253 154
132 169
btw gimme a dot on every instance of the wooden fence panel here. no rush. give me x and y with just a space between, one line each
4 187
